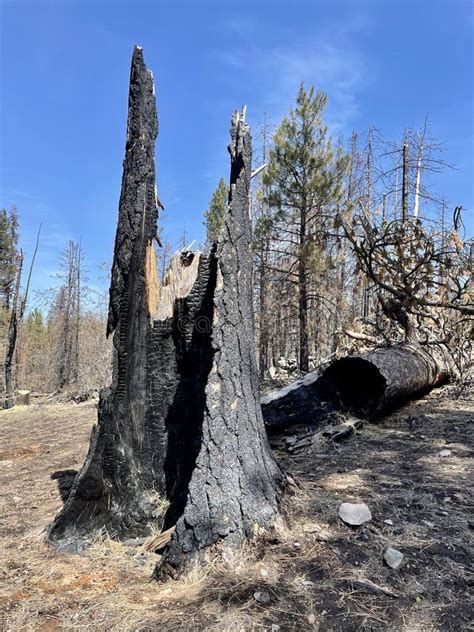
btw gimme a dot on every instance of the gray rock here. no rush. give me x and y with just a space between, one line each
262 596
444 453
393 558
354 514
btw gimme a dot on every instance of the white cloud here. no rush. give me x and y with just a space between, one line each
330 60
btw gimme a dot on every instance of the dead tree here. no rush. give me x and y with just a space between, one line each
17 312
234 485
68 312
366 385
180 439
373 383
126 448
9 365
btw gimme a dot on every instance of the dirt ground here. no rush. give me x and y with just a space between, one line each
308 575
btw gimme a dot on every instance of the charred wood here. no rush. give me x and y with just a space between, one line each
126 452
234 485
375 382
366 385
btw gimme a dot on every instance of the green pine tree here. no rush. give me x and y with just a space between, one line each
214 216
304 179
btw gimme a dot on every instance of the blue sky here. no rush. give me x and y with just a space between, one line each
64 84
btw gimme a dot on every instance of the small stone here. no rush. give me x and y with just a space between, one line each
388 521
354 514
262 596
263 572
444 453
393 558
297 545
311 619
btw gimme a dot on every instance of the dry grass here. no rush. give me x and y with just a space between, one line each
308 570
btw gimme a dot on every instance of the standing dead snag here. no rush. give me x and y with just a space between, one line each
181 421
234 486
9 366
125 457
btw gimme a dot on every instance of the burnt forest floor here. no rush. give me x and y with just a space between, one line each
310 575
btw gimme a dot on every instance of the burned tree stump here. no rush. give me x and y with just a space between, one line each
126 455
180 440
234 486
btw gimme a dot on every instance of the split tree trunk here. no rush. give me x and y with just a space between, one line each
234 486
181 425
126 447
367 385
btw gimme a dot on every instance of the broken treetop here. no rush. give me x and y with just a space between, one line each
138 207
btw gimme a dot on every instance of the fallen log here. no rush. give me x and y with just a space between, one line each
298 403
370 384
366 385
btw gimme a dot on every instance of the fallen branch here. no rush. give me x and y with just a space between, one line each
358 336
366 585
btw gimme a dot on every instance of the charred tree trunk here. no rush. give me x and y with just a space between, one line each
234 483
181 424
263 339
303 297
126 450
367 385
299 403
373 383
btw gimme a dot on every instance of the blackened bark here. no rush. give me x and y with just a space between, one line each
181 421
125 457
367 385
375 382
299 403
234 485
